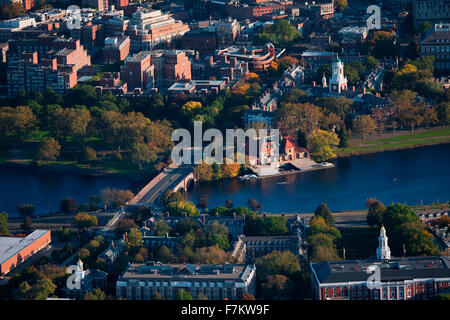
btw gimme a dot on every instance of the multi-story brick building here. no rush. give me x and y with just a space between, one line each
138 72
100 5
91 36
26 4
13 251
407 278
436 42
27 75
111 83
216 282
433 11
253 11
226 32
201 40
156 69
71 52
258 58
148 27
116 49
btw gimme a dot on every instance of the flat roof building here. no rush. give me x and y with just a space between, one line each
217 281
14 251
406 278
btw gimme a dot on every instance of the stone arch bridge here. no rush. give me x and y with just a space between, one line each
178 178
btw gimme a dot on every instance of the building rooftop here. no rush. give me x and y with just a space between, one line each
9 246
151 270
396 269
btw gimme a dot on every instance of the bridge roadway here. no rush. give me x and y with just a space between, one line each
169 179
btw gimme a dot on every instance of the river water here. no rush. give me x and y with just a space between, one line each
45 189
422 174
406 176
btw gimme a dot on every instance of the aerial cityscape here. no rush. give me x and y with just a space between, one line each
224 150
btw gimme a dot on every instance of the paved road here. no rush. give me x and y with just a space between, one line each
172 178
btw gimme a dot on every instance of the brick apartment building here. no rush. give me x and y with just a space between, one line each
148 27
71 52
138 72
27 4
116 49
407 278
14 251
28 75
111 83
156 69
217 282
100 5
91 36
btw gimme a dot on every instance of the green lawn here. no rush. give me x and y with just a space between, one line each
391 146
359 242
419 135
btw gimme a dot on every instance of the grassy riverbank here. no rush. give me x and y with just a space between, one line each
119 170
399 140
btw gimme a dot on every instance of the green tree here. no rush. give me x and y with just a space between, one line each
142 153
16 123
375 214
134 241
210 255
276 262
25 210
180 207
115 197
4 223
83 253
277 287
342 5
68 206
324 212
321 144
280 34
27 224
49 150
344 137
84 221
96 294
424 26
184 295
364 125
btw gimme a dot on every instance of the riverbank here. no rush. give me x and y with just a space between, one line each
396 141
74 168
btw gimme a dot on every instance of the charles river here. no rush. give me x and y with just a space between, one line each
406 176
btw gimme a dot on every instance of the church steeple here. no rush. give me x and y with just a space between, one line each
324 81
383 250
